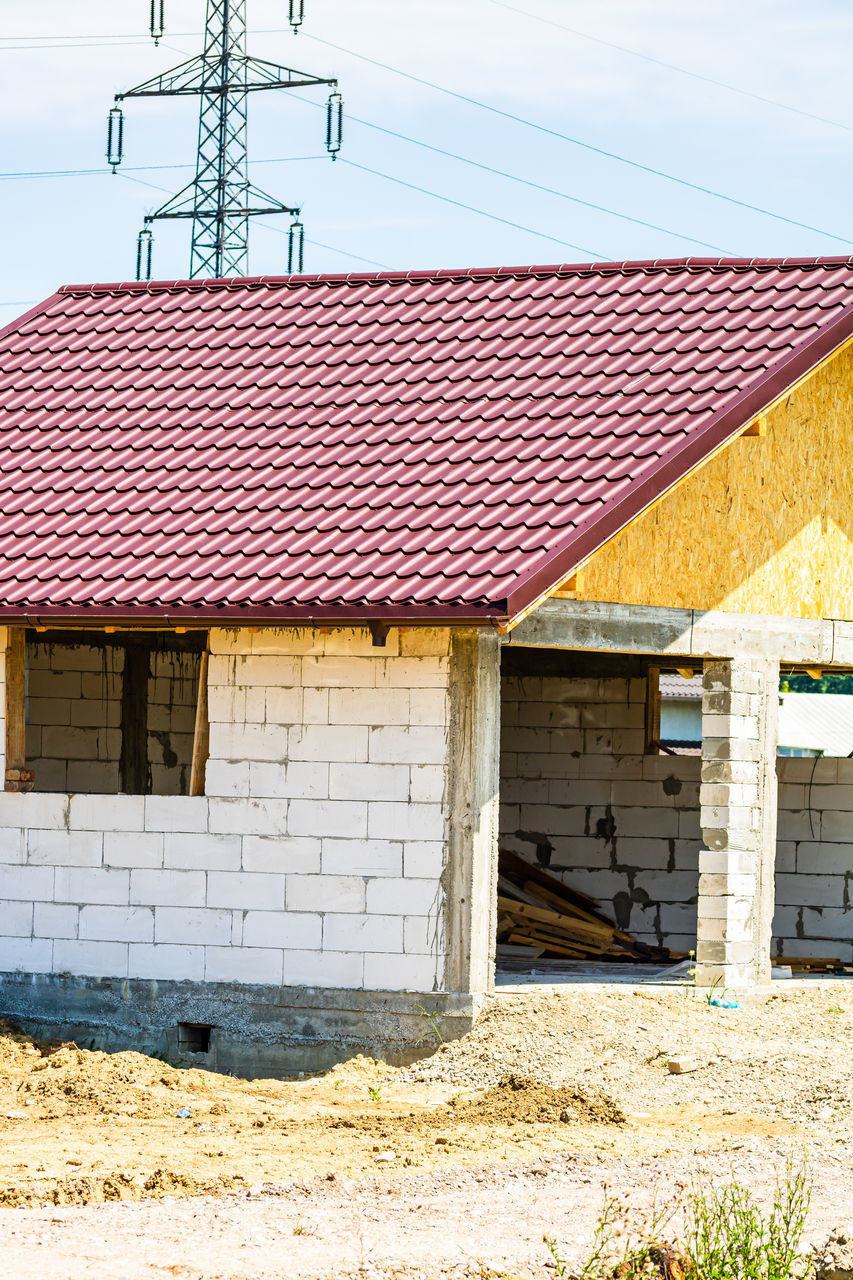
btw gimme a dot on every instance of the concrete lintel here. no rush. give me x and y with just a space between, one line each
622 628
792 639
256 1030
842 651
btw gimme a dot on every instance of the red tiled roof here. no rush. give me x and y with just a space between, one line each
445 444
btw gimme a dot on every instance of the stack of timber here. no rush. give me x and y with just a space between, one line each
540 916
811 964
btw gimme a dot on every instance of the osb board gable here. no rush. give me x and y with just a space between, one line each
766 526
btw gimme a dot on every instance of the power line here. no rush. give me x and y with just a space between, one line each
138 168
221 200
319 244
536 186
587 146
490 169
471 209
103 44
610 155
671 66
128 38
435 195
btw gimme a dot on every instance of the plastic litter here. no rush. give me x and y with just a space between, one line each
725 1004
184 1113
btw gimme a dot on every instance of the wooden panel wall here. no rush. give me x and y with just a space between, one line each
765 527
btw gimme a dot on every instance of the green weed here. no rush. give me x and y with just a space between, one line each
432 1019
724 1235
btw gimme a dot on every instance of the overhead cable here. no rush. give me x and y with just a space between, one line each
543 235
536 186
672 66
587 146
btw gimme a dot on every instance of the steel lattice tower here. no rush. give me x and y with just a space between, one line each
220 200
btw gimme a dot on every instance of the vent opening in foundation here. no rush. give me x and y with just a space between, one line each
194 1037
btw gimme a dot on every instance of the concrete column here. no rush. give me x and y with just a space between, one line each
470 876
740 714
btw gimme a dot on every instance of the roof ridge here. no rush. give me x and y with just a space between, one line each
627 266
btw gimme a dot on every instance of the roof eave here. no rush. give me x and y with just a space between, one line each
170 616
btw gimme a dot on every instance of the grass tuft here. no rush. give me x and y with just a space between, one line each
724 1235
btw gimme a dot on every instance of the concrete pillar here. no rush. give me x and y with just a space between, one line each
740 715
470 876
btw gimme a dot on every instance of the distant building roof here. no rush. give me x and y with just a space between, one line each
819 721
674 687
807 721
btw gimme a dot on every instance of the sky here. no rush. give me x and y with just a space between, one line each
750 101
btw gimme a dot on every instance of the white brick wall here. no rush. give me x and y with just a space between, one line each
315 858
814 858
625 827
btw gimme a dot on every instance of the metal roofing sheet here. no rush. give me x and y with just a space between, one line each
422 444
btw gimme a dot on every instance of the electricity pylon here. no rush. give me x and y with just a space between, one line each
220 200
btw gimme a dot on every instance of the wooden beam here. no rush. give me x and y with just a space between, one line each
564 922
17 778
133 761
201 735
570 586
653 712
758 427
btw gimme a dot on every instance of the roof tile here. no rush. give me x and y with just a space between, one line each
443 443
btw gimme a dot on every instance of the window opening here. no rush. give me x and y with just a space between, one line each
815 712
106 712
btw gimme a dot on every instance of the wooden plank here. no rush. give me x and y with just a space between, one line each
824 964
563 950
652 745
513 864
133 761
520 951
201 735
565 923
16 701
546 895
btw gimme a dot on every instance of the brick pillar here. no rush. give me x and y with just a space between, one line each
740 714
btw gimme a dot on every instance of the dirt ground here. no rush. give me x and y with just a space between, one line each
122 1165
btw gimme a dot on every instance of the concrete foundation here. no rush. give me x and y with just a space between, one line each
256 1031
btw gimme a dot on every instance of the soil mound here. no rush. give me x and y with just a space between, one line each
114 1186
72 1081
519 1099
15 1046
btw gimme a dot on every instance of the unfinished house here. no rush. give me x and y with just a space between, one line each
318 591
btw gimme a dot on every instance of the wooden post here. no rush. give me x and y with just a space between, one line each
201 736
18 777
653 712
133 762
